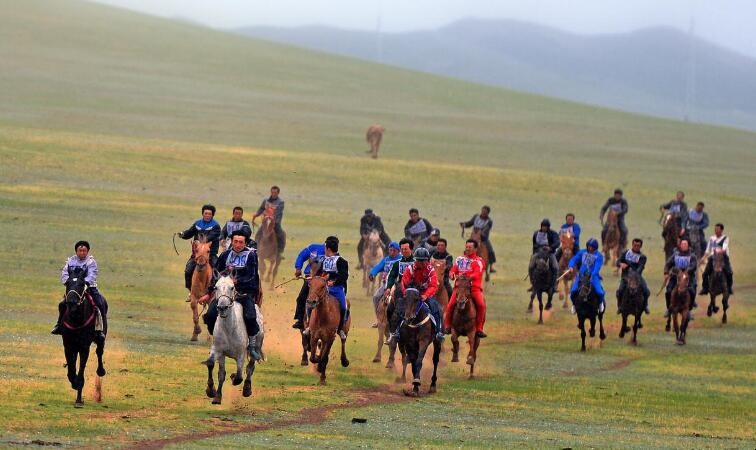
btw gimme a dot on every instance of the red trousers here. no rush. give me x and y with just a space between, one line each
480 309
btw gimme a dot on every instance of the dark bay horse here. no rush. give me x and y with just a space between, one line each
671 234
632 303
463 322
718 286
542 280
79 333
415 335
587 308
267 247
679 307
324 323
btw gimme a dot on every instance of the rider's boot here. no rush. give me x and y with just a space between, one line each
252 348
298 324
342 316
58 328
481 334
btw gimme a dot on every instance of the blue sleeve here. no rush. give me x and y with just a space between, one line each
599 263
574 260
303 256
378 267
705 221
577 230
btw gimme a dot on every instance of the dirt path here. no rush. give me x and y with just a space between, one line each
383 395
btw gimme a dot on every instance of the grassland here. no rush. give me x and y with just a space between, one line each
116 127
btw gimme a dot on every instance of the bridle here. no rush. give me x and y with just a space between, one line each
81 296
420 307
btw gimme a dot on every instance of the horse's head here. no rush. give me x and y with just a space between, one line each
201 253
76 287
612 217
318 291
566 240
413 303
463 286
682 281
225 293
439 266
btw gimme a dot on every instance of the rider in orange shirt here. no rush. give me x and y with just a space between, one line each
473 267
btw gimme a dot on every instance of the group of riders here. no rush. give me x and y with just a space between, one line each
407 263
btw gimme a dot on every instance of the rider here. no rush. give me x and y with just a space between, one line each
545 236
588 262
570 226
473 267
441 253
368 223
384 267
275 203
82 259
717 243
211 230
432 241
677 207
633 259
681 259
237 223
337 270
421 276
406 247
618 204
544 253
417 229
240 262
311 254
484 223
696 222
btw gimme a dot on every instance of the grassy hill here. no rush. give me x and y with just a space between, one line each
115 127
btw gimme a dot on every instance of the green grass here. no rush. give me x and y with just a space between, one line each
115 127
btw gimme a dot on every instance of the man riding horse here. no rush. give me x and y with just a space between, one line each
620 206
240 262
336 269
368 223
420 275
483 223
432 241
441 254
573 228
544 253
272 205
678 208
206 228
417 228
683 259
237 223
545 236
383 268
635 260
695 224
717 243
82 259
588 263
310 254
471 266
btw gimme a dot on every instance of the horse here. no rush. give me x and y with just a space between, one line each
382 322
697 243
718 286
632 303
587 308
541 279
671 234
463 322
324 323
267 247
79 321
567 245
373 136
477 236
371 255
203 274
679 307
230 340
415 335
611 239
442 295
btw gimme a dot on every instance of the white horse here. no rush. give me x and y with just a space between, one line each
230 340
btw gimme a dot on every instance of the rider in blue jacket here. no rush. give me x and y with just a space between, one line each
308 255
588 262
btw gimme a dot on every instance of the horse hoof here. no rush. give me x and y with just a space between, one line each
602 336
470 360
247 390
455 358
530 310
716 309
622 334
548 306
235 381
194 338
390 365
344 362
540 321
377 359
634 343
411 393
322 382
626 329
79 405
432 390
210 392
667 328
679 342
101 372
582 349
724 319
709 312
217 401
592 333
304 362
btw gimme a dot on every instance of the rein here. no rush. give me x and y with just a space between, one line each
91 317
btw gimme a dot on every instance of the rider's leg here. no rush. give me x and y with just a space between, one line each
281 234
338 292
188 270
599 290
300 308
728 272
58 329
480 310
435 310
211 316
250 322
102 305
705 277
646 296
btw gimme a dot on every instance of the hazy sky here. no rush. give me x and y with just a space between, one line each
727 22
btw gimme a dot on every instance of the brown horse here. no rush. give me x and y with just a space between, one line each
201 277
372 254
382 321
679 307
477 236
718 286
415 335
267 247
671 234
567 244
463 322
324 323
373 136
611 241
442 295
631 303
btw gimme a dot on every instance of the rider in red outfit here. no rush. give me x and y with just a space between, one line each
473 267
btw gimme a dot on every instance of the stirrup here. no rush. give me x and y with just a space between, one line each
572 309
342 335
306 332
57 329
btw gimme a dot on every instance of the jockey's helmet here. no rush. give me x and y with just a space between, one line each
422 254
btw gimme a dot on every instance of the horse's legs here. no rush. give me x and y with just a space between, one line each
436 357
323 363
381 334
602 334
221 379
210 390
236 378
725 306
623 326
592 330
677 329
344 359
566 288
314 357
636 326
455 346
71 356
712 305
471 341
247 389
99 350
405 363
274 270
83 358
392 354
530 305
540 307
305 343
474 355
195 317
261 264
581 326
684 327
549 295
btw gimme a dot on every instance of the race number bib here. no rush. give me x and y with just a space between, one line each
329 263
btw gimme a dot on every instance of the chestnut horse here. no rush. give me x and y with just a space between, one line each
201 277
671 234
324 323
382 323
679 307
611 240
718 286
567 245
372 254
463 322
442 295
477 236
373 136
415 335
267 247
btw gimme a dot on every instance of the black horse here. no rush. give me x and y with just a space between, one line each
79 321
415 335
542 278
632 303
586 303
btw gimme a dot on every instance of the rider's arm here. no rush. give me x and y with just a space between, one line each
641 264
624 207
470 222
669 264
214 234
91 278
430 291
189 232
393 275
603 211
64 273
303 256
598 264
376 269
704 221
260 210
575 259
